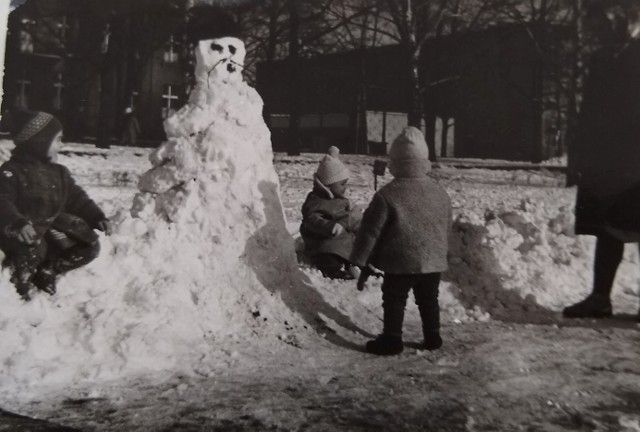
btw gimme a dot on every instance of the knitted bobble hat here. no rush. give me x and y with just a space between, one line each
331 169
410 144
33 132
409 154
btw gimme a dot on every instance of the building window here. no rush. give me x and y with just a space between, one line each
279 120
22 99
50 35
170 99
171 51
26 38
57 95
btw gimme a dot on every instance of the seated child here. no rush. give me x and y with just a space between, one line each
404 232
46 220
328 221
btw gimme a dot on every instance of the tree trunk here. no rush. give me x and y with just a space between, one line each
108 84
415 104
270 54
575 88
444 135
293 144
107 108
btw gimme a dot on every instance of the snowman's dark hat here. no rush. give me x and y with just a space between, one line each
211 22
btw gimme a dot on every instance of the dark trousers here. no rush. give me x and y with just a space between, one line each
395 291
609 251
25 261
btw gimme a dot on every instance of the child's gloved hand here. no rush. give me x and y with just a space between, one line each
365 272
104 226
337 230
26 234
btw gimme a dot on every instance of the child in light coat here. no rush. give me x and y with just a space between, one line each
46 219
329 222
404 232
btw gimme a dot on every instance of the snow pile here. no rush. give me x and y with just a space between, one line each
523 262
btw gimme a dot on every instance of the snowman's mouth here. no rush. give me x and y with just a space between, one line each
231 68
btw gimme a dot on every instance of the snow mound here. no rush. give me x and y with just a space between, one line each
203 262
524 262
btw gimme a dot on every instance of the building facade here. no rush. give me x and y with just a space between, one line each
86 66
483 97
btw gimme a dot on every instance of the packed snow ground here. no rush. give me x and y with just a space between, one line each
513 258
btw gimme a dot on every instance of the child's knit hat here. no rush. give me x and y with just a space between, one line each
331 170
409 154
33 132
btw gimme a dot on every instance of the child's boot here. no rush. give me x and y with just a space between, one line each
390 341
23 266
23 284
45 280
385 345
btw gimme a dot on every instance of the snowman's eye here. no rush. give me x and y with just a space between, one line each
216 47
232 49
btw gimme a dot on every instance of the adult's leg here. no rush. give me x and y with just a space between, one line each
609 251
608 255
426 294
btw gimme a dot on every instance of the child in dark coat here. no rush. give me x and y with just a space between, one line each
329 222
404 232
46 220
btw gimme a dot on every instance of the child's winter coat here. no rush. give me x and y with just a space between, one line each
405 228
43 193
321 211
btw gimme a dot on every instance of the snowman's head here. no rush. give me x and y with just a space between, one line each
220 60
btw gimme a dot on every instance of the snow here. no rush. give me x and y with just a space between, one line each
201 273
134 310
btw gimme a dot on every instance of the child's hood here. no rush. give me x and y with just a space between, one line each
322 190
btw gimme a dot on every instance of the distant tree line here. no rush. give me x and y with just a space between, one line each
117 37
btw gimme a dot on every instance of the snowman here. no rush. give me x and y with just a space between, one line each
219 136
208 218
203 252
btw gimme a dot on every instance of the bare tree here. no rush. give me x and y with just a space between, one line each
554 27
412 24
